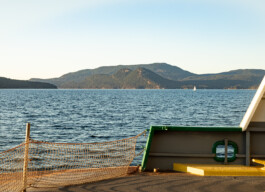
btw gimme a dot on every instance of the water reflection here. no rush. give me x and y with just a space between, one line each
220 151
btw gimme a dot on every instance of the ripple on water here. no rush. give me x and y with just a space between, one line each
102 115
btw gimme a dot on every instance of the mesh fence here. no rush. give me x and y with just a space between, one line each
62 164
11 169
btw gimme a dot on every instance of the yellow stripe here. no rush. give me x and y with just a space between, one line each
262 162
219 170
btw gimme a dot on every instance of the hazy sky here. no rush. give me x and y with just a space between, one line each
48 38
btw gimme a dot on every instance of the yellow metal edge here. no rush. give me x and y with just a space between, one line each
219 170
262 162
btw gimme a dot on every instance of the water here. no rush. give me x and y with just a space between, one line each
85 116
220 151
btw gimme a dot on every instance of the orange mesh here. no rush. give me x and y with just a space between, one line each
11 169
62 164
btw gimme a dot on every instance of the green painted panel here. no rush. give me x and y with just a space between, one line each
147 148
180 128
186 128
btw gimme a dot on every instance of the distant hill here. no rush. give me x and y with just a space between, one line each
235 79
143 78
155 76
164 70
6 83
240 74
140 78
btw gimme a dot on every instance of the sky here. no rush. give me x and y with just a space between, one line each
48 38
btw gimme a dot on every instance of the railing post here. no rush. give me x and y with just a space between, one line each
26 156
247 148
226 151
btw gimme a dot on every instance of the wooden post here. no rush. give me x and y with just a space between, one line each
26 156
226 153
247 148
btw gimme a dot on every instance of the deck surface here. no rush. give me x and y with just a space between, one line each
159 182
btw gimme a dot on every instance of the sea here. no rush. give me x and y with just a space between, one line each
88 116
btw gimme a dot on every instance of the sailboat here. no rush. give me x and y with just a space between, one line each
194 88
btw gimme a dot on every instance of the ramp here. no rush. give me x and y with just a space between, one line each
219 170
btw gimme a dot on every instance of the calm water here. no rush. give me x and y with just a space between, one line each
85 116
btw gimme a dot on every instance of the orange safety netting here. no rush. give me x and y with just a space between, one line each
61 164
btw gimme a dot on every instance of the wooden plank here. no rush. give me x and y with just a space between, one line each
25 166
226 145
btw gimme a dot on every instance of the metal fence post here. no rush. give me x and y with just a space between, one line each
226 151
247 148
26 155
